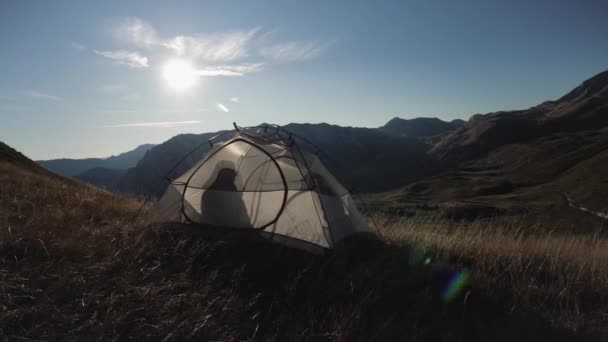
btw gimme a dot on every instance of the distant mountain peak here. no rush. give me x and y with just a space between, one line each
420 127
73 167
141 148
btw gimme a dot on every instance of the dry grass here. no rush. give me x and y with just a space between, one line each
561 277
74 266
45 212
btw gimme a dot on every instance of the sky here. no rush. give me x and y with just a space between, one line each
92 79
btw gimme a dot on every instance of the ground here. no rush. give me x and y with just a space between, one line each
79 263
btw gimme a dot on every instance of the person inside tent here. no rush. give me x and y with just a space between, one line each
221 203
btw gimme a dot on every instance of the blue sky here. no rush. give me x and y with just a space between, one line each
92 79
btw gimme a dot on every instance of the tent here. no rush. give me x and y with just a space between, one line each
262 179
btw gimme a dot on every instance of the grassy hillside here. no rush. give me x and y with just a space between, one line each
14 157
74 265
519 179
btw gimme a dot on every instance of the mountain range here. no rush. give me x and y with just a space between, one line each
358 150
525 161
506 163
74 167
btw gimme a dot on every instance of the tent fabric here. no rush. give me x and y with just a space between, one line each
264 182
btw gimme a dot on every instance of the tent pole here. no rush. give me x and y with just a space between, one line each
366 208
317 191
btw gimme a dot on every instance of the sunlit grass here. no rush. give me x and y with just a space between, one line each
560 275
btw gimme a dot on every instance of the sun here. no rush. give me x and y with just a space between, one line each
180 74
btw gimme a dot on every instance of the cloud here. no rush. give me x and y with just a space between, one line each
212 47
235 99
138 32
232 53
128 58
223 108
155 124
208 47
230 70
42 96
295 51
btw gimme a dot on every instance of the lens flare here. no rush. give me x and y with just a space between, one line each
456 282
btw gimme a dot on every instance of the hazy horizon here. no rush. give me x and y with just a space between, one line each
98 79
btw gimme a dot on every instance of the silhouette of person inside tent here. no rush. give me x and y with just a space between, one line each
222 203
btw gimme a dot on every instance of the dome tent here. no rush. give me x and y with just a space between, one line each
262 179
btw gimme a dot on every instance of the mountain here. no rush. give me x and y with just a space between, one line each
544 159
103 177
149 176
420 127
74 167
525 161
345 148
584 108
354 154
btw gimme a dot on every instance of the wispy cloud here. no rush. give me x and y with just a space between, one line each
216 47
223 108
155 124
128 58
137 31
235 99
212 47
42 96
295 51
230 70
221 47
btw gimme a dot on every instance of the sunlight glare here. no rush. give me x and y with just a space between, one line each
179 74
